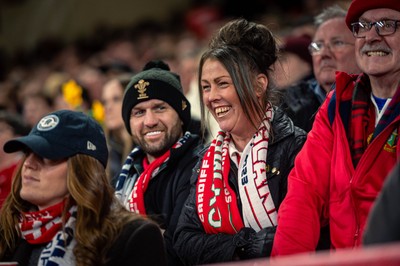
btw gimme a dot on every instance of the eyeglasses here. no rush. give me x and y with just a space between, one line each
315 48
382 27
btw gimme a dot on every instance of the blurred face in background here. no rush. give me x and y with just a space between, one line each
337 54
290 69
111 98
34 108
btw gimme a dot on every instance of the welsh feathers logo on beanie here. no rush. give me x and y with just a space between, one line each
156 81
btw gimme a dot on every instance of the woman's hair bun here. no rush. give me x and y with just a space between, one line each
156 64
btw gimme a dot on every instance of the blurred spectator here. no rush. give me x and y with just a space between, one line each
332 50
8 96
73 96
203 20
118 139
92 79
35 106
384 218
53 83
119 55
11 126
29 85
188 52
296 61
114 69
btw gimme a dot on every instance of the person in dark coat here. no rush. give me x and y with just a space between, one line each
241 178
154 181
332 49
62 209
384 219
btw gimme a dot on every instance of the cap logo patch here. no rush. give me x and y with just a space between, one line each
141 87
184 105
91 146
48 123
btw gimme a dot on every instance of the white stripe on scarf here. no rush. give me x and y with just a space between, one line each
258 207
59 251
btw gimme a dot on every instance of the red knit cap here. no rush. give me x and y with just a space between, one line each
358 7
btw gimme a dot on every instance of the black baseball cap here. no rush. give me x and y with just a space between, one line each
62 134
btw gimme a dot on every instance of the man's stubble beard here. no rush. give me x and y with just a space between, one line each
155 149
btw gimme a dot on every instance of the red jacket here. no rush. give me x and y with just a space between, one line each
324 187
6 176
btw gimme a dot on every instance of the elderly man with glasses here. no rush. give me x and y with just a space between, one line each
354 142
332 49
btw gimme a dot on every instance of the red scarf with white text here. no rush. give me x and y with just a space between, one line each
215 200
47 227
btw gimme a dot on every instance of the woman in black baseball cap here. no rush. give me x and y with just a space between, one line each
62 210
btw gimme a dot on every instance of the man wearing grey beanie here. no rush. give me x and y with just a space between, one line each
155 179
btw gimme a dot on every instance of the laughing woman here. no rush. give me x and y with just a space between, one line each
241 178
62 210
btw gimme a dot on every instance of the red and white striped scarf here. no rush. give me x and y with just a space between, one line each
40 226
216 201
46 227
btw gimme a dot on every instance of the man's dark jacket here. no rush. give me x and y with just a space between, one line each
168 190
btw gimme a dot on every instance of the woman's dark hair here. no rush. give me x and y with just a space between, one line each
245 49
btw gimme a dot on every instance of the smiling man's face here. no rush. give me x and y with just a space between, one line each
155 127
